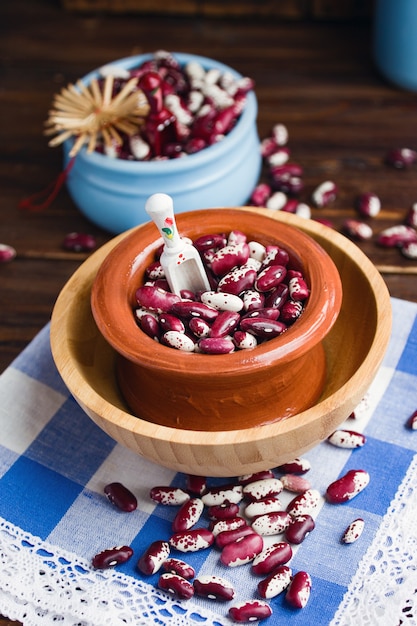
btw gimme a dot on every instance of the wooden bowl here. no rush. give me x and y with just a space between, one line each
361 334
217 392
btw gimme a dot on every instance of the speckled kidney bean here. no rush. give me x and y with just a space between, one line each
177 585
151 560
290 311
242 551
178 341
237 280
228 257
271 557
305 503
353 531
230 523
178 566
277 200
262 488
324 194
188 515
295 483
232 535
155 299
396 236
347 487
299 589
299 528
270 277
155 271
275 255
252 299
222 301
244 340
298 289
199 327
349 439
121 497
250 611
272 313
272 523
260 507
214 588
223 494
170 496
112 557
296 466
192 540
277 582
260 194
244 479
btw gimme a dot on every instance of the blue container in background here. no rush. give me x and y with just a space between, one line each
112 192
395 41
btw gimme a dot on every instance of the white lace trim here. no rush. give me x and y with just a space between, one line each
383 590
40 584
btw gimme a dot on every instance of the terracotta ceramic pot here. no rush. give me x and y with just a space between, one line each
274 381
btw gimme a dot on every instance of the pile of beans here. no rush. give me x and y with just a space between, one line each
247 523
191 108
284 184
255 296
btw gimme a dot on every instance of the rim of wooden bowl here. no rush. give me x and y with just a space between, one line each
229 453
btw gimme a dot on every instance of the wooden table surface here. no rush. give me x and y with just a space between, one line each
317 78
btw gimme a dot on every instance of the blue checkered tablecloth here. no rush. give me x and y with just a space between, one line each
54 463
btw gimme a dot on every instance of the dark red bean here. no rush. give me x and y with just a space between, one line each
121 496
112 557
177 585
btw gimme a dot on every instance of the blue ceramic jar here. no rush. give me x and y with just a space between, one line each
112 192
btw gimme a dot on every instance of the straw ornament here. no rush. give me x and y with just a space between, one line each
93 113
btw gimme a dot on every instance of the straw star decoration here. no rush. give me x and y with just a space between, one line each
93 113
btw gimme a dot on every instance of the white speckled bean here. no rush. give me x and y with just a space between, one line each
188 515
192 540
220 495
353 531
349 439
264 488
275 583
298 592
260 507
177 585
272 557
250 611
232 523
214 588
170 496
271 523
153 557
222 301
347 487
179 341
304 504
